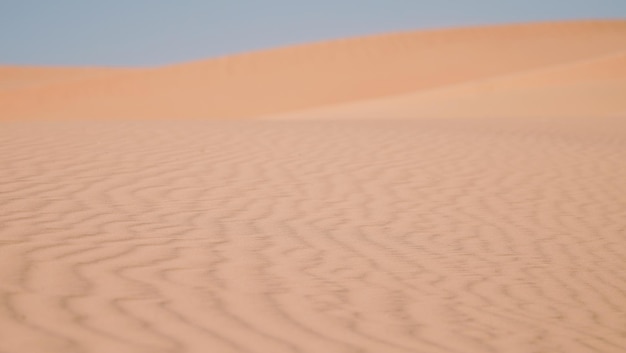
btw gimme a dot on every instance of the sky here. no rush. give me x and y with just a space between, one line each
159 32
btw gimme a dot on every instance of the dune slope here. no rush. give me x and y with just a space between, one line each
19 77
592 88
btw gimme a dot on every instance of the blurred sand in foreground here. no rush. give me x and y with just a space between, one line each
455 190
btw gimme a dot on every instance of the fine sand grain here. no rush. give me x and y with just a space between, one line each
481 210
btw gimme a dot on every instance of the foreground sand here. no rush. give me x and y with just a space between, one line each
355 236
483 216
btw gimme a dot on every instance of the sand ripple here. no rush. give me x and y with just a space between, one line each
305 236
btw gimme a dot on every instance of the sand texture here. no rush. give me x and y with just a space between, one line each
480 209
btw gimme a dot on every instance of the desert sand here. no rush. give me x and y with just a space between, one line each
19 77
457 190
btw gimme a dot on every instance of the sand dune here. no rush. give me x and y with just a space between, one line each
311 76
588 88
472 200
18 77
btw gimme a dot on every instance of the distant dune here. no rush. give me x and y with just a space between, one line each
19 77
447 191
593 87
322 74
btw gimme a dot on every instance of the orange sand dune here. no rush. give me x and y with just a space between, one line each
588 88
17 77
320 74
453 191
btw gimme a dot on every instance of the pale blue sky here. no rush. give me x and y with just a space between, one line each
155 32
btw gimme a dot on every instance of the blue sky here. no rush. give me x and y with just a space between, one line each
156 32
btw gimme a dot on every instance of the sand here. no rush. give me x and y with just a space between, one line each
409 202
20 77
